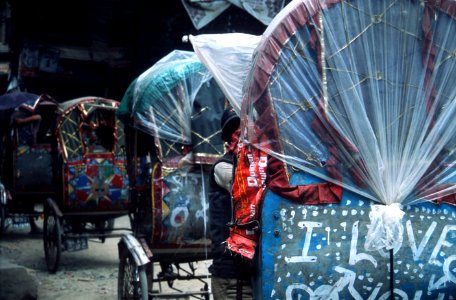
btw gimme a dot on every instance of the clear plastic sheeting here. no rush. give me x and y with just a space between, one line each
228 57
161 99
386 230
202 12
360 93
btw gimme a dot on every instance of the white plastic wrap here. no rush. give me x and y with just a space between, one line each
362 94
385 230
228 58
161 99
202 13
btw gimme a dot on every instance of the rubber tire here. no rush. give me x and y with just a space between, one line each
128 286
52 240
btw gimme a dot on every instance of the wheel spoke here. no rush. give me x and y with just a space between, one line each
52 240
132 279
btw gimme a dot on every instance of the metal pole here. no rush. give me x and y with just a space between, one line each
391 274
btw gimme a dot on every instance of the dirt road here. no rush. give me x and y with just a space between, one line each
84 275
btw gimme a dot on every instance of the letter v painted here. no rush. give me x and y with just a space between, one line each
417 251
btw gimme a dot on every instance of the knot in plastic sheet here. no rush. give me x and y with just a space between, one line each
386 229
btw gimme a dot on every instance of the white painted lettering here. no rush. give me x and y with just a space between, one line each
305 249
417 251
447 276
441 242
355 257
399 292
252 182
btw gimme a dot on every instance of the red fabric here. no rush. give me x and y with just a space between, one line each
238 243
440 196
249 184
449 199
247 193
333 164
321 193
233 146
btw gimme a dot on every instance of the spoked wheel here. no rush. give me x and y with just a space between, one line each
52 237
132 279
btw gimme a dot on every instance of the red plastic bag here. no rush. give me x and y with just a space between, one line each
248 187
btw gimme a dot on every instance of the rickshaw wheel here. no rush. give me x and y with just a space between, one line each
132 279
52 237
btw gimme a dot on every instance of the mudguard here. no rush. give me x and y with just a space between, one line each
139 251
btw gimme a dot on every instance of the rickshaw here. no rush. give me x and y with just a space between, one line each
27 122
350 104
172 117
90 178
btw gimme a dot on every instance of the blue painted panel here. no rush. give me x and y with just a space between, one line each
309 251
186 202
425 265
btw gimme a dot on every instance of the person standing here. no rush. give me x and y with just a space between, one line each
231 278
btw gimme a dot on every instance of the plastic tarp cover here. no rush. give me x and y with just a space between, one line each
361 94
202 13
160 100
228 57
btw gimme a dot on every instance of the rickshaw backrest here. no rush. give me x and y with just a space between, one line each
206 144
86 120
91 147
205 121
31 145
33 122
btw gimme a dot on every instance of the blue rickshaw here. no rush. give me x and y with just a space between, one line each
348 115
358 95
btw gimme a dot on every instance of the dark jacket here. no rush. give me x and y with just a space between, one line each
225 264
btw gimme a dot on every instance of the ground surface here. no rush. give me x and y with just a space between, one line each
84 275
